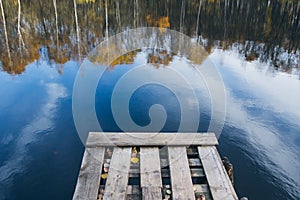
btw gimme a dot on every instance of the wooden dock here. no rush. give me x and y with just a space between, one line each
152 166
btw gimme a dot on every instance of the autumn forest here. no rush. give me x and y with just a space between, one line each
70 29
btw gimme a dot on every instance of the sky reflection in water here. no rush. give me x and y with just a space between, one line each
261 125
40 151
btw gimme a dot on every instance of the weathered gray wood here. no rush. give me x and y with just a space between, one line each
150 167
182 186
150 139
151 192
133 189
135 173
164 162
194 162
197 173
218 180
89 175
133 197
179 171
151 182
117 179
203 189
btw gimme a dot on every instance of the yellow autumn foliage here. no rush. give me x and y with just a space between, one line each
162 22
85 1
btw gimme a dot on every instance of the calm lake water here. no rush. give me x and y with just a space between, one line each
253 44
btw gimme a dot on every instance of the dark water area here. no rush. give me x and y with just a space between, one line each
254 45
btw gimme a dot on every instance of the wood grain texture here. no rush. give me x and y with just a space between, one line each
89 175
151 181
182 186
218 180
150 193
117 179
150 139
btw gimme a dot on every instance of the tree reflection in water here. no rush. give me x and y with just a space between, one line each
267 31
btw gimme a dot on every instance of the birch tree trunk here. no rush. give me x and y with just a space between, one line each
182 15
56 23
136 14
5 32
77 30
21 41
198 18
118 17
225 21
106 20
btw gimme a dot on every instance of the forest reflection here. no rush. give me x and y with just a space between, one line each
57 31
156 57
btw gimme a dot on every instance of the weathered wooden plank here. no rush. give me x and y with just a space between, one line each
151 182
117 179
182 186
150 167
133 189
164 162
151 192
135 173
194 162
150 139
218 180
89 175
133 197
197 173
202 189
